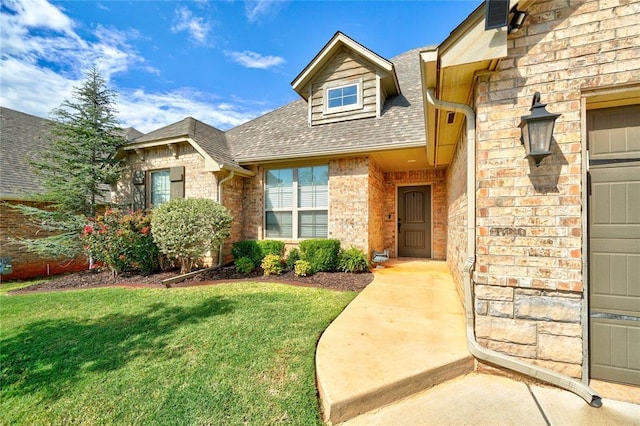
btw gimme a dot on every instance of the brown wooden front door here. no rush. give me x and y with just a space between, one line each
414 221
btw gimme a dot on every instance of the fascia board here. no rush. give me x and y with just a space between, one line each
429 75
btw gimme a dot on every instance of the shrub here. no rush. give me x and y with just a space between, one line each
353 260
122 242
321 254
268 247
272 264
302 268
292 258
187 228
247 248
245 265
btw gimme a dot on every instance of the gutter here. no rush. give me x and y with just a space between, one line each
478 351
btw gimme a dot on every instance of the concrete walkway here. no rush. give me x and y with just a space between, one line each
397 356
404 333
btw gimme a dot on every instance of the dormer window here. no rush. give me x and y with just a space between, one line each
346 97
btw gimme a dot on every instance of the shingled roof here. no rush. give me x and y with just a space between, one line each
285 133
22 137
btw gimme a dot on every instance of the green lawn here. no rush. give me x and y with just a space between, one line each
240 353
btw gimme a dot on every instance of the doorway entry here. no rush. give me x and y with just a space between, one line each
414 221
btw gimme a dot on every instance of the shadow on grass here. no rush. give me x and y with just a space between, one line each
50 355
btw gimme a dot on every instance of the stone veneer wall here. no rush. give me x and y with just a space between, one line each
457 215
529 282
437 179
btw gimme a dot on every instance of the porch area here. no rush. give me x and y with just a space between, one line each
403 334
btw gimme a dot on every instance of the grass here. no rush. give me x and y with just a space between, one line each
240 353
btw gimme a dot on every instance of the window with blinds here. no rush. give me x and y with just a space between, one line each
296 202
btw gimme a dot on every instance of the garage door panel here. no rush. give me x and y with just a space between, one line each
614 244
614 353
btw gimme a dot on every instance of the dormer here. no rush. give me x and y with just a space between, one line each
346 81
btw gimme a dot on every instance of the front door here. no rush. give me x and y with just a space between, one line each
614 243
414 221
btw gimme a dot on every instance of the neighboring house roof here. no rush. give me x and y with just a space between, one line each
22 138
131 133
285 133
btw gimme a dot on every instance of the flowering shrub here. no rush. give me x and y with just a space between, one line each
122 242
188 228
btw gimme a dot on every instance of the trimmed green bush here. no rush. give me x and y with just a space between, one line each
247 248
353 260
188 228
292 258
302 268
272 264
268 247
245 265
322 254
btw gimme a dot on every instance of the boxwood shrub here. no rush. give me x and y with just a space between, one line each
268 247
247 248
322 254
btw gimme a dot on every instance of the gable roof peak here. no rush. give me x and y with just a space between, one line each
337 42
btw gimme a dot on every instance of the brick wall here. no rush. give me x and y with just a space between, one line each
349 201
253 205
529 220
27 264
437 180
232 200
376 207
197 182
457 215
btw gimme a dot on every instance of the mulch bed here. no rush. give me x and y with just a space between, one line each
91 279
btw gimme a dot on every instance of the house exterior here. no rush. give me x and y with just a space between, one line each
25 137
421 154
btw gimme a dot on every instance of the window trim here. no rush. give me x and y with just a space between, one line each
341 85
294 209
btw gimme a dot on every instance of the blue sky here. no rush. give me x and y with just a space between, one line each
222 62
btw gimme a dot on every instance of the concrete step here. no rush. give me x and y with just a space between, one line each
403 334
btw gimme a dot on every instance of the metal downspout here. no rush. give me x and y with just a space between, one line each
219 196
478 351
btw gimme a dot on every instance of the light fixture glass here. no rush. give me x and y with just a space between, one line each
537 130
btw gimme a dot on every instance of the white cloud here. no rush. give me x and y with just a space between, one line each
251 59
151 111
197 28
44 59
257 9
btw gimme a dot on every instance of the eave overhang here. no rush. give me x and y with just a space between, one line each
388 75
210 164
451 70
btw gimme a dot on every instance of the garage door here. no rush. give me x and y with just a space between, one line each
614 243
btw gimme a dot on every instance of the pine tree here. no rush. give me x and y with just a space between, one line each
77 167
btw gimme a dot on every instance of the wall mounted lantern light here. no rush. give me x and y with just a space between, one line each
537 130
